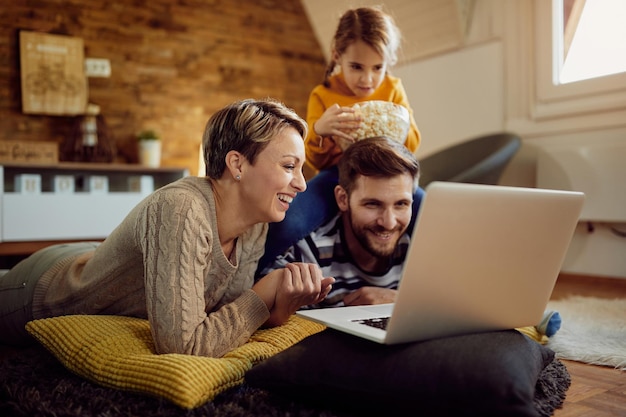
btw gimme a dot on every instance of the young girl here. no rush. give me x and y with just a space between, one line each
363 49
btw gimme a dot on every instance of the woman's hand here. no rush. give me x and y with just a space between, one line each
337 121
266 287
297 285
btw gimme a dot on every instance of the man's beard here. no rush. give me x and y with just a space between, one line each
362 236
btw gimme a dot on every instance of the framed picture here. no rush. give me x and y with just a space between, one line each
53 74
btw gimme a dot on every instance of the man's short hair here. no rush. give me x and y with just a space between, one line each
376 157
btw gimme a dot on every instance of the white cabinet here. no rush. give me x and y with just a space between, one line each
90 211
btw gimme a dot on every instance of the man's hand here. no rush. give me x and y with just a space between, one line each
370 295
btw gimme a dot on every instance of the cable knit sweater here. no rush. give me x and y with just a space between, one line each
164 262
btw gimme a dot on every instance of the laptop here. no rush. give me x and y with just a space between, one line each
481 258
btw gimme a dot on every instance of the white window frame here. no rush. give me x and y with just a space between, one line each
603 94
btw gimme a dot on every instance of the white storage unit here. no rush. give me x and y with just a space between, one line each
79 215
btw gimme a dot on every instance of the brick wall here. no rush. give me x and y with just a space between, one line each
174 62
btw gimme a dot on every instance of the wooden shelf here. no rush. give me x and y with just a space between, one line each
24 248
88 166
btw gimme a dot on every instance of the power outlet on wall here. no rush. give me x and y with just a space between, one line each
97 67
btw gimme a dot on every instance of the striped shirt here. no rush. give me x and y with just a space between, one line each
325 247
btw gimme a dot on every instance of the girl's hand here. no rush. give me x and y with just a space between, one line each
301 284
337 121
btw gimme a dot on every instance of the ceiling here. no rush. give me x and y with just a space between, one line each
428 27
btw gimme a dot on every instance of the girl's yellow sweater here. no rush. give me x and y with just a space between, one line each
325 152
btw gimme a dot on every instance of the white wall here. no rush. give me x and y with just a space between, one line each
498 81
456 96
591 162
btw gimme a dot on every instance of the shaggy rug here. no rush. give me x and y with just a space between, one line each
33 383
593 331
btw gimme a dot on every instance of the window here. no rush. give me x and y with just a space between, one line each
554 98
591 39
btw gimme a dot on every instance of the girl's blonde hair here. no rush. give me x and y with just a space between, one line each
370 25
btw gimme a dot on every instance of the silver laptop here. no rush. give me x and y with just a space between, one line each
482 258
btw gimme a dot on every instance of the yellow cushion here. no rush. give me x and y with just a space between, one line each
118 352
533 333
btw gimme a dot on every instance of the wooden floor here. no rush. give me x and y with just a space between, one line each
596 391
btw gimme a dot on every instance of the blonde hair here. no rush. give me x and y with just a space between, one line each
370 25
246 126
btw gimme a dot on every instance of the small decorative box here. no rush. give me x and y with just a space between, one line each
63 184
28 184
141 184
97 184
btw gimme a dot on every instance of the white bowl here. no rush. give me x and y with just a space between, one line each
380 118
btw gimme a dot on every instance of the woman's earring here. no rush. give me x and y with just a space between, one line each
238 177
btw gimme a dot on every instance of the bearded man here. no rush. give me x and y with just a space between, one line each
364 246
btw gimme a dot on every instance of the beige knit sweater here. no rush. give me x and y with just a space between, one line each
164 262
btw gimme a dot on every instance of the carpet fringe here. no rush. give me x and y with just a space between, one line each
551 388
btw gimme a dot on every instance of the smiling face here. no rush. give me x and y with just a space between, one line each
363 68
272 183
376 215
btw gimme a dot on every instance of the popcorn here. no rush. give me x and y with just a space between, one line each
380 118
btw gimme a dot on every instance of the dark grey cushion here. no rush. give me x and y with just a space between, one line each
486 374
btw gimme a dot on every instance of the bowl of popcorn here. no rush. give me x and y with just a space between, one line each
380 118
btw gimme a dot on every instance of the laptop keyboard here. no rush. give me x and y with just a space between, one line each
378 322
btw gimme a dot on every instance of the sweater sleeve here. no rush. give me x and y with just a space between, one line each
320 152
195 303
